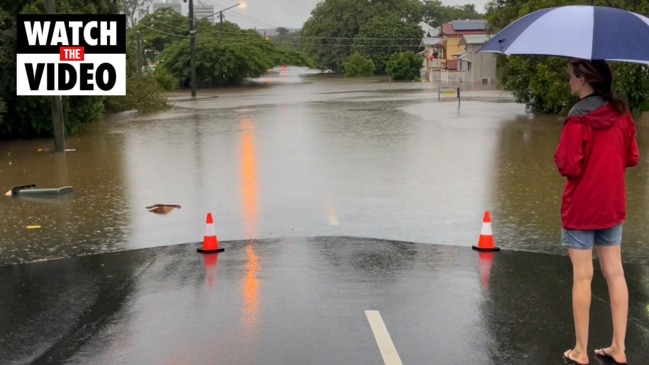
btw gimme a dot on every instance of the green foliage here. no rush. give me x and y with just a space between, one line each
134 10
357 65
225 54
404 66
288 56
541 82
632 84
381 37
142 94
218 62
165 79
330 31
158 30
435 14
31 116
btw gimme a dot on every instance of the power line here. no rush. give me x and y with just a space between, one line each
154 20
251 20
334 38
347 38
163 32
350 45
254 21
245 17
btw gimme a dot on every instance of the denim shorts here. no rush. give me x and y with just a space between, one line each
585 240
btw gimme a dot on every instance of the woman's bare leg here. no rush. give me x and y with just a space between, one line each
582 276
610 259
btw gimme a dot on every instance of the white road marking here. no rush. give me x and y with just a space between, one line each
383 340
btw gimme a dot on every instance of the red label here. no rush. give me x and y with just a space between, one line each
71 54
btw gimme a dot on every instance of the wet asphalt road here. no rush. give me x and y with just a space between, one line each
304 301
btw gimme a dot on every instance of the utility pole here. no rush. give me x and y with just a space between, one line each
139 52
58 125
192 47
221 17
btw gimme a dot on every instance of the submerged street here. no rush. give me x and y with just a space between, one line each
302 156
339 202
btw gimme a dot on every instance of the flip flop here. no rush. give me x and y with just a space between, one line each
569 361
607 356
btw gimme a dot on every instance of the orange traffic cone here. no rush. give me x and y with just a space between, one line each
210 242
486 242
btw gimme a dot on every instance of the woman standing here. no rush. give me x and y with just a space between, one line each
597 144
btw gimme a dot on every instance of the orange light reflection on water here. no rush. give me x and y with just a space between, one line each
250 201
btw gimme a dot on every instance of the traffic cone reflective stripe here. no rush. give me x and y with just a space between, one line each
486 229
486 241
210 242
209 226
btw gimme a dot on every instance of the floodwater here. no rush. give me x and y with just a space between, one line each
302 156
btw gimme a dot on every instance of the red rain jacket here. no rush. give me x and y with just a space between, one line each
593 153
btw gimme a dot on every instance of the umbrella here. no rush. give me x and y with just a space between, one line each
576 31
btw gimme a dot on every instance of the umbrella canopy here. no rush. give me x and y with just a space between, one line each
576 31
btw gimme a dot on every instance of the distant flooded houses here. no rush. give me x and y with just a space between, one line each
450 53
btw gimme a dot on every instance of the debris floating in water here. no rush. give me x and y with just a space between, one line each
162 208
33 227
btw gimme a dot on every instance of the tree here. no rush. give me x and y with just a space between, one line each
540 82
381 37
160 29
281 31
435 14
227 58
135 10
328 35
286 38
143 91
287 56
404 66
358 65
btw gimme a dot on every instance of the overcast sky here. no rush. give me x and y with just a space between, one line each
263 14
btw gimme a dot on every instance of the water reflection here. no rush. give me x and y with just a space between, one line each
250 202
210 262
249 189
251 293
485 261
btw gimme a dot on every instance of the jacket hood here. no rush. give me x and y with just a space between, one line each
595 112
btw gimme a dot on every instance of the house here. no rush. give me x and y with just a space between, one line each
431 42
452 34
450 53
477 67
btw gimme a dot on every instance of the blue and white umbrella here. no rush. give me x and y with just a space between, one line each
576 31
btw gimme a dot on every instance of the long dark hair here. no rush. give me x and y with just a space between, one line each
598 75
